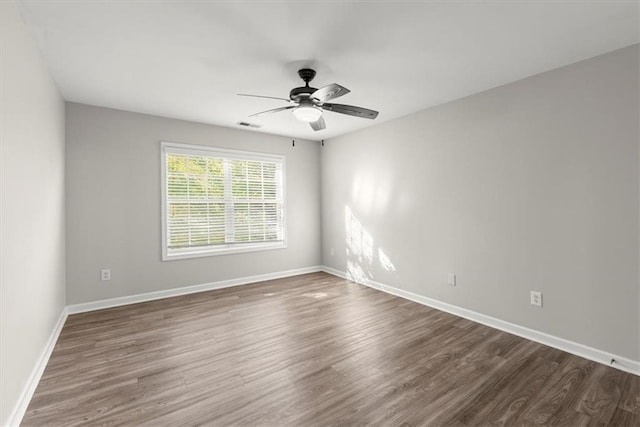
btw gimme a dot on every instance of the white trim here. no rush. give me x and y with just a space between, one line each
600 356
163 201
206 150
229 249
151 296
15 418
594 354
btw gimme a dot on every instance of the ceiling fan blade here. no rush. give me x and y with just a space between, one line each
275 110
318 124
329 92
262 96
351 110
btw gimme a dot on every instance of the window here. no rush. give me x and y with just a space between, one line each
220 201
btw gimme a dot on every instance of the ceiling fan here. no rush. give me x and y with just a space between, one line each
308 103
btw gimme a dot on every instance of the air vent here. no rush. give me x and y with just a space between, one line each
249 125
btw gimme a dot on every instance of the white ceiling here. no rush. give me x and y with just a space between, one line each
189 59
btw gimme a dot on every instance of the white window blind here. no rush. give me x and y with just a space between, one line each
220 201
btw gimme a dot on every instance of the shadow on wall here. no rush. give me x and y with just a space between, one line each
362 255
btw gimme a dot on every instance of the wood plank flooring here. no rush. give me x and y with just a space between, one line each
314 350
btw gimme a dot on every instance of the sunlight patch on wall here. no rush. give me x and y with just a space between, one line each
356 273
359 241
360 250
385 261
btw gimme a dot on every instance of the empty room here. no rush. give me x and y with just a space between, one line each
310 213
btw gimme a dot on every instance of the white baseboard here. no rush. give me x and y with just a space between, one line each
151 296
581 350
15 418
600 356
23 402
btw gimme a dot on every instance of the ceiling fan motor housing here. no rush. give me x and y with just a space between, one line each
299 93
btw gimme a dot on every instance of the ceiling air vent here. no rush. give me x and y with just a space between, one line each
249 125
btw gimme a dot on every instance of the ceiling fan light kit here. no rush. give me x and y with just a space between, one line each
309 102
307 113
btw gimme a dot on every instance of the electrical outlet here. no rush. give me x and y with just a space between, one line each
536 298
451 279
105 274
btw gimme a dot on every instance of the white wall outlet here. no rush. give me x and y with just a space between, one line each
105 274
536 298
333 252
451 279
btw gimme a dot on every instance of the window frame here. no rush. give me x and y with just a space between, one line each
223 249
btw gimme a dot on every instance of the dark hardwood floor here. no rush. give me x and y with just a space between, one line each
315 350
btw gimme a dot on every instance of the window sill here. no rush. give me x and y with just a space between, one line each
170 255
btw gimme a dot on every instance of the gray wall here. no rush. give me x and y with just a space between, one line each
113 204
32 210
529 186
